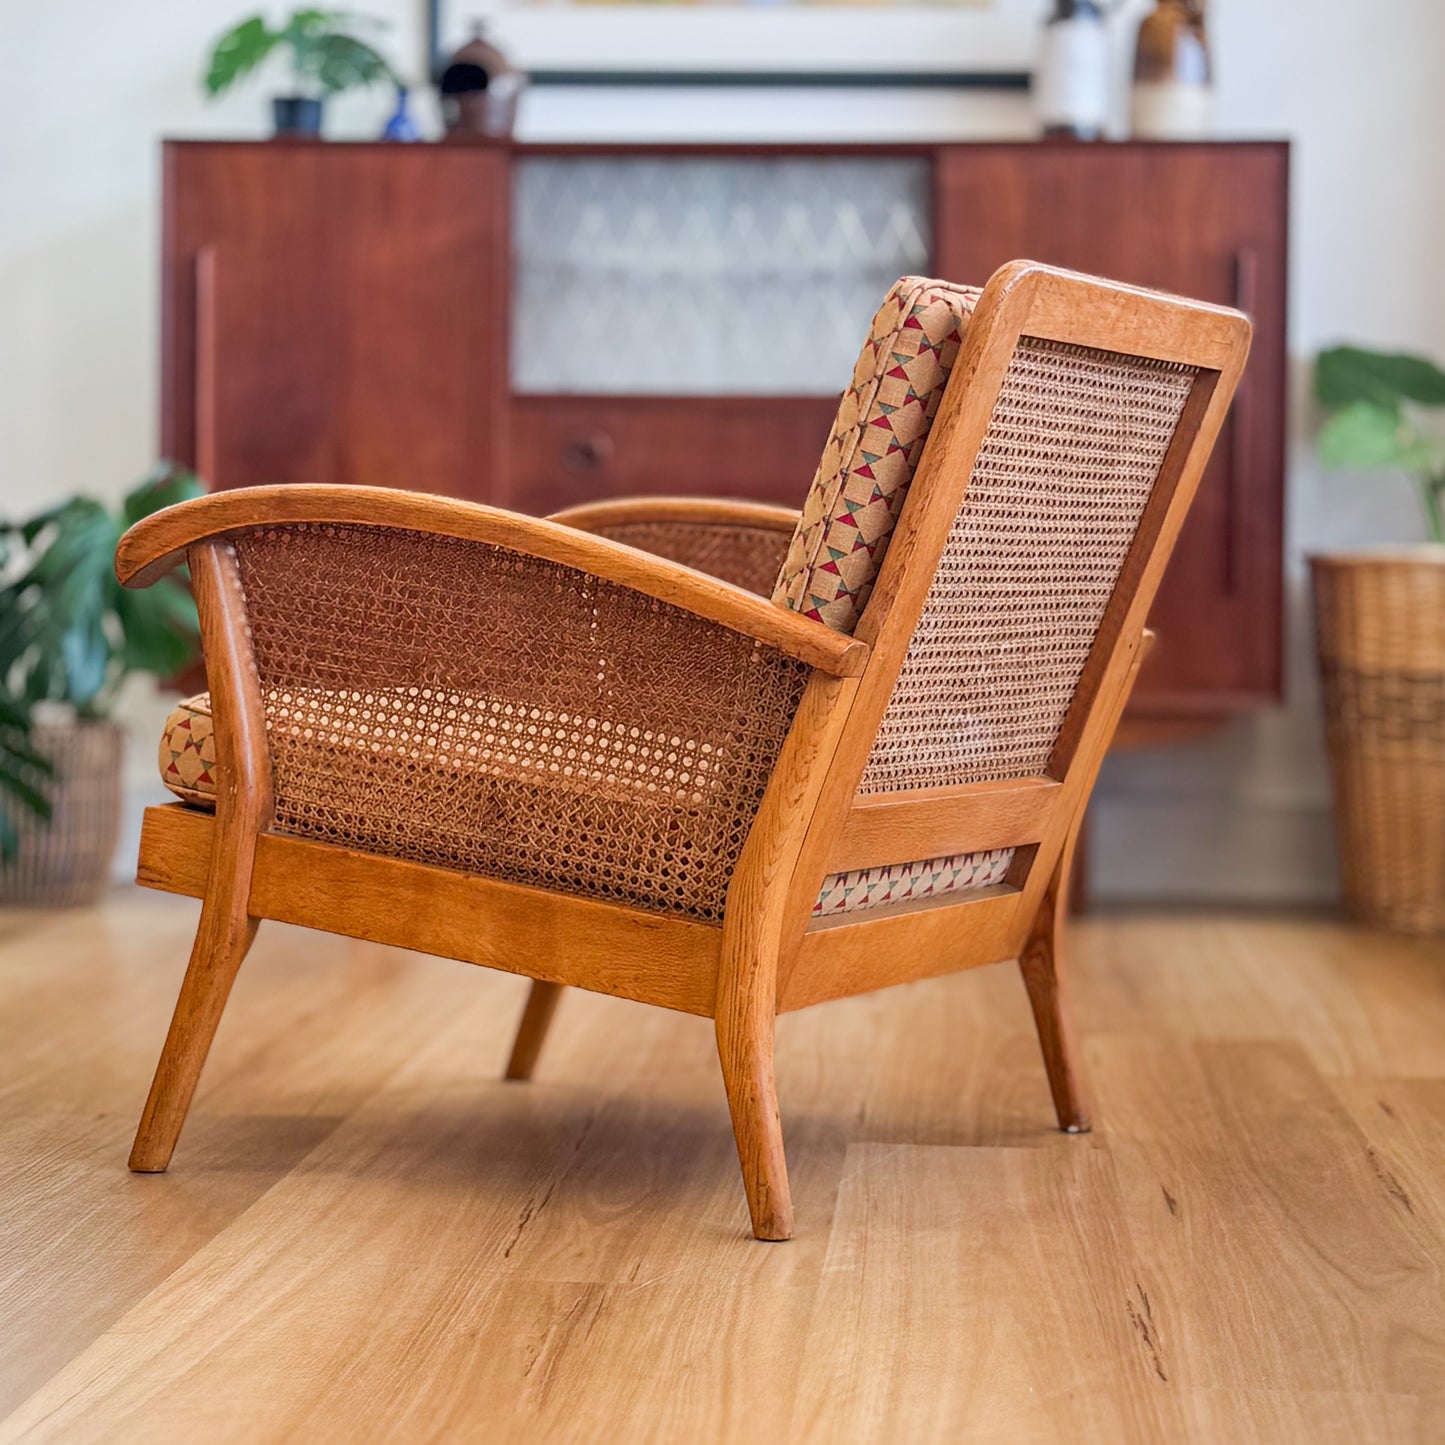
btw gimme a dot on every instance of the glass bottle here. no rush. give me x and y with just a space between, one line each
1173 97
1071 86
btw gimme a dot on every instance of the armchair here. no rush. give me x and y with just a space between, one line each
537 746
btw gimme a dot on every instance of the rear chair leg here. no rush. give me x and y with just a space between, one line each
222 940
1040 964
532 1031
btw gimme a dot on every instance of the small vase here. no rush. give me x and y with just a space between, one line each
401 127
296 116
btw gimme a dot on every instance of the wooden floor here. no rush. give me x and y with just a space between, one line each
365 1236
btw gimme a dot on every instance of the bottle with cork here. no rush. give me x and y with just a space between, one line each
1173 96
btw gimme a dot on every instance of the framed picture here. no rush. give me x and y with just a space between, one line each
986 44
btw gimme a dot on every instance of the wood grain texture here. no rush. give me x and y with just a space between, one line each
357 333
243 809
369 1236
331 320
576 450
649 956
881 828
1198 220
156 544
716 511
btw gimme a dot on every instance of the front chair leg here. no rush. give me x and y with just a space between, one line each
222 941
745 1047
1043 977
532 1031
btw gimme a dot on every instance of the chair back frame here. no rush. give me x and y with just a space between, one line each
1038 815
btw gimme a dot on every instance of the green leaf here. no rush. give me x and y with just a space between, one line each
164 487
1348 374
1366 436
86 653
160 629
1369 437
340 62
238 53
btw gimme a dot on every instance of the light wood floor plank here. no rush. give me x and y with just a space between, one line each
1277 1255
981 1294
366 1235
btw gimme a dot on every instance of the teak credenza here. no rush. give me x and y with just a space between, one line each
538 325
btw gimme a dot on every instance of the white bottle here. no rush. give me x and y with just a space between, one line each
1071 86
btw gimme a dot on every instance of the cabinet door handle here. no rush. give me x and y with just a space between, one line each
1241 434
589 453
206 458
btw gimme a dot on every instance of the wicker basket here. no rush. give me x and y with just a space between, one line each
67 860
1381 628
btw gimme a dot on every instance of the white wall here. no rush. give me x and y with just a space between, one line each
92 85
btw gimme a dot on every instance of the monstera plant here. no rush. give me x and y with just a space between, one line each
1380 407
1381 625
69 637
325 56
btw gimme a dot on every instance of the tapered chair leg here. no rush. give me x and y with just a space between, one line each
532 1031
1043 977
745 1047
222 941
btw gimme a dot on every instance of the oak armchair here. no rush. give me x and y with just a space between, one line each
727 759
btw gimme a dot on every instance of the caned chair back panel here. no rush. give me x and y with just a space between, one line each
1008 618
1074 447
618 749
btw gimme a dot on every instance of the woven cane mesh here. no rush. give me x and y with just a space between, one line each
1070 458
745 556
458 704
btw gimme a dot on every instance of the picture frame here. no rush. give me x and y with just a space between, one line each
949 44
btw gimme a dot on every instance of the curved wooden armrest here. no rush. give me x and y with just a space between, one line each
709 511
159 542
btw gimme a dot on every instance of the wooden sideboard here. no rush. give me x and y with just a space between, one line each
344 313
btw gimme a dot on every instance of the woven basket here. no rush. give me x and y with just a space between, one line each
1381 629
67 860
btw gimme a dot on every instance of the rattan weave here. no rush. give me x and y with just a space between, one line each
1381 629
1073 450
458 704
745 556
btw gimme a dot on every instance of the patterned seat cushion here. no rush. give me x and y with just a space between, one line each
877 440
188 752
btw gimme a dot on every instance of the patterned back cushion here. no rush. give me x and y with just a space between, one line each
877 440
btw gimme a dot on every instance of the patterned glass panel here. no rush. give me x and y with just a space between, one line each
707 276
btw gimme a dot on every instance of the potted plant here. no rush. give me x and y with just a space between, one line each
1380 620
69 635
325 58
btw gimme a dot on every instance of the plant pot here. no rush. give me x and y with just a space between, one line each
66 860
297 115
1380 620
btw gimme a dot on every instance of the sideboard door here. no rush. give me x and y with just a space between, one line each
1206 221
337 313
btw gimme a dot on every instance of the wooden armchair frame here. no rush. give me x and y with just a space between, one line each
768 954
